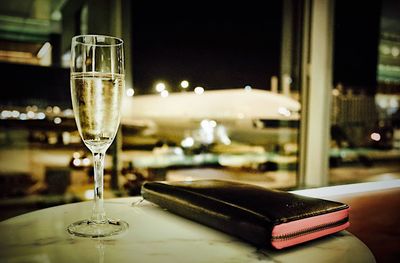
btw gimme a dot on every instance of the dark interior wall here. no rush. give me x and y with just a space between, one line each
100 19
356 39
27 84
70 23
99 14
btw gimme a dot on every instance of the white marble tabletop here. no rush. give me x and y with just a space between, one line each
154 235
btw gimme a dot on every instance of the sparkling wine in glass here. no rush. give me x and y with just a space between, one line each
97 88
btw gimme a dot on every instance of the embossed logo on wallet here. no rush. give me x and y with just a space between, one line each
295 204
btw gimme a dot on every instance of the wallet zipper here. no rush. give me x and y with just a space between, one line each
309 230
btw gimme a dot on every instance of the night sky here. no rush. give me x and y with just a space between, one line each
33 85
217 47
356 40
213 46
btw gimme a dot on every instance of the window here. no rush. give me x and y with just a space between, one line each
288 94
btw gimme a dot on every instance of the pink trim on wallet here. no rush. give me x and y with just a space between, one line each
305 224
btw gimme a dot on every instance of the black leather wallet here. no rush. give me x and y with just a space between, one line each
258 215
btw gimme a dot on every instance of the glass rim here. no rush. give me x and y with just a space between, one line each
119 41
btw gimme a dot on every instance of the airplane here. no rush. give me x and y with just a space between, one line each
247 116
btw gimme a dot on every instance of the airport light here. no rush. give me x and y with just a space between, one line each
56 110
41 116
76 162
199 90
207 131
68 113
185 84
376 136
335 92
23 116
86 161
57 120
30 114
6 114
15 114
160 87
208 124
89 194
130 92
164 93
385 50
204 124
395 52
187 142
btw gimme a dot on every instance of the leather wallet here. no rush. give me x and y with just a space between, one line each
256 214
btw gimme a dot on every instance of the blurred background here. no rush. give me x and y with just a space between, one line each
233 91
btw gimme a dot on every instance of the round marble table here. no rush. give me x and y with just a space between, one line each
154 235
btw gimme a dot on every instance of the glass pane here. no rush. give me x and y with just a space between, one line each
210 96
365 101
215 95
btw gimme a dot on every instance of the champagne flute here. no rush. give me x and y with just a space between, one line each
97 88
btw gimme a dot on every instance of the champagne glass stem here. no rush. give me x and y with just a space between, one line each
98 214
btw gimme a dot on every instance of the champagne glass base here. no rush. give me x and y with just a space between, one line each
88 228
